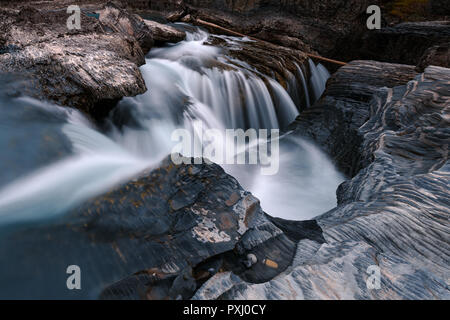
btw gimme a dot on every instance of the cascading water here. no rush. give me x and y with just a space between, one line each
194 82
189 82
319 77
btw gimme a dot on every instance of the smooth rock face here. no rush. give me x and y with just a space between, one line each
344 107
392 214
88 69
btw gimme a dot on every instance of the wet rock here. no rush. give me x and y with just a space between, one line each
133 243
164 33
88 69
334 28
392 215
266 58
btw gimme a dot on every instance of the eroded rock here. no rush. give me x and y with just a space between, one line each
404 43
393 214
159 236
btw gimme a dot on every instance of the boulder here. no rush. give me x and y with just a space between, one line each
159 236
88 69
163 33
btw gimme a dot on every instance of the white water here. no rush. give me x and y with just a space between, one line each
182 84
97 164
183 91
319 77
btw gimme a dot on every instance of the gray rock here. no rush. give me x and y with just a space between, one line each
393 214
164 33
435 56
87 69
405 42
136 243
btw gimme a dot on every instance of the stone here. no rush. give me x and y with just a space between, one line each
88 69
392 213
164 33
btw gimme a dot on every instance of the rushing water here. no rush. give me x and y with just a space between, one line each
190 82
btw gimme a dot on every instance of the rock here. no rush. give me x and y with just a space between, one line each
164 33
404 43
392 215
333 121
132 25
336 29
324 27
172 10
269 59
440 6
435 56
134 242
87 69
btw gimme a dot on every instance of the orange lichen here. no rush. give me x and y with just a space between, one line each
408 9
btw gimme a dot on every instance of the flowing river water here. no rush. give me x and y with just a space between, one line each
54 158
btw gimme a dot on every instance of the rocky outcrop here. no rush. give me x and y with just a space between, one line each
87 69
404 43
266 58
164 234
393 214
334 120
123 22
297 29
334 28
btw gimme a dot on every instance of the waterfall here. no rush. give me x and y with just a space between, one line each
319 77
189 83
184 89
304 85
